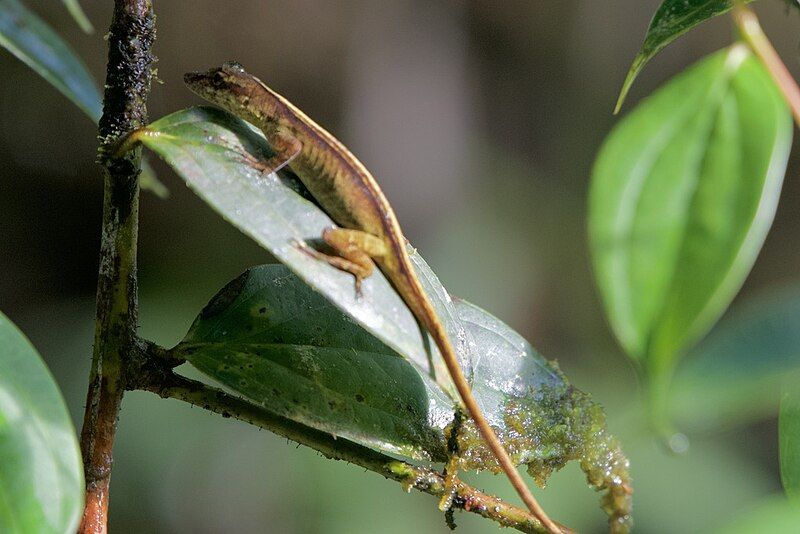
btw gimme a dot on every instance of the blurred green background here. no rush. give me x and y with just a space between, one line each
481 121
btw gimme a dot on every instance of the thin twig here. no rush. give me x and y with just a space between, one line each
127 85
410 476
756 39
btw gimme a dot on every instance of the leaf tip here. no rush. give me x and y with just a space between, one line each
636 67
80 17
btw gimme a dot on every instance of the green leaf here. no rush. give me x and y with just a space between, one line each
36 44
683 193
673 19
216 154
41 479
270 338
789 436
297 346
150 182
736 375
80 17
541 419
32 41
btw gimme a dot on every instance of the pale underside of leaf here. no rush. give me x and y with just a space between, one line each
215 153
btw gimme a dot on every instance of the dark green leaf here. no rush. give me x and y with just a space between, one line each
28 37
41 480
673 19
735 375
80 17
215 153
789 435
683 193
273 340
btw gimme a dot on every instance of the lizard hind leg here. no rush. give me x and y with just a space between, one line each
355 249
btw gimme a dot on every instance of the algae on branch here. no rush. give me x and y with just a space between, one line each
544 430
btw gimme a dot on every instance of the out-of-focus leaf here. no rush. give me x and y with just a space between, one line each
789 436
217 155
736 374
41 480
80 17
683 193
775 515
36 44
672 19
30 39
270 338
150 182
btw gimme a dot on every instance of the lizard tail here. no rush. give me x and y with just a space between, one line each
416 298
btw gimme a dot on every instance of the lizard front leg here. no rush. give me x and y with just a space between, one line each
286 148
355 250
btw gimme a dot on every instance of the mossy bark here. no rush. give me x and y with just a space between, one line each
130 60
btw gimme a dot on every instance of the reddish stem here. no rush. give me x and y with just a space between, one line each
755 37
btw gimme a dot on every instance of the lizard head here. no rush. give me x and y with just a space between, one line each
230 77
229 86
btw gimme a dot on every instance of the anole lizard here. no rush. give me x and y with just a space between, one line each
369 229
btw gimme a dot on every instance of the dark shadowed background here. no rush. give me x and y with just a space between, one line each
480 120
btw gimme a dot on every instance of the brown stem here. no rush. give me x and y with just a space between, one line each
127 86
170 385
757 40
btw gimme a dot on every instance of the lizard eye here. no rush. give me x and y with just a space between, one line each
233 66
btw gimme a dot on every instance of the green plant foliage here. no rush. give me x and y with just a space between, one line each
542 421
789 435
148 180
736 374
36 44
672 19
683 193
41 479
215 154
80 17
271 338
360 367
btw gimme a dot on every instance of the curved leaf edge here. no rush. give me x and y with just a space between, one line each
63 450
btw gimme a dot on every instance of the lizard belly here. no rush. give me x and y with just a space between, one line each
357 210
